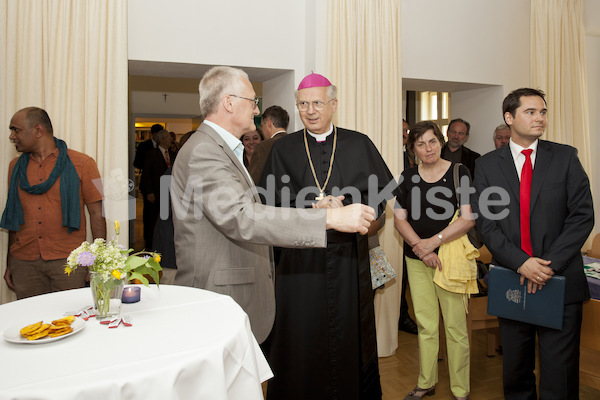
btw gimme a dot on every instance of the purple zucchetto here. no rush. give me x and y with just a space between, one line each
314 80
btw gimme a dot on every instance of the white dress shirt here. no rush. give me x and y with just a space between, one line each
162 151
234 143
323 136
519 158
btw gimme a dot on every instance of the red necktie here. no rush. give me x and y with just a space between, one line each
167 158
525 200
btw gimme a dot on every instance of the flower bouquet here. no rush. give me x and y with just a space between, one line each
110 265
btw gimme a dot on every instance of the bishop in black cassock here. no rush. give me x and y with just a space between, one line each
323 343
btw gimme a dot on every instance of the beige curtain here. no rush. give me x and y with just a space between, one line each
70 58
558 67
364 63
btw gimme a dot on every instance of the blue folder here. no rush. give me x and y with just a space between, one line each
508 299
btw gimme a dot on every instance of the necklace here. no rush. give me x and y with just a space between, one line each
312 168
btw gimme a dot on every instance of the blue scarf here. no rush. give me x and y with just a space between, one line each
13 217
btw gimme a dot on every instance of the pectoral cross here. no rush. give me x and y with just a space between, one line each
321 196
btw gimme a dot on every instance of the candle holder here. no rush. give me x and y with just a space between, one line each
131 294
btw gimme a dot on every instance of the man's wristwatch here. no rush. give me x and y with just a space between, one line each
441 238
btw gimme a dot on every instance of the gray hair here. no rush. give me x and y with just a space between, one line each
468 125
501 127
217 82
161 134
331 92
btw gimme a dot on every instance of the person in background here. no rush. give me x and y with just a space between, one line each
274 123
423 233
223 232
163 242
143 148
156 163
409 159
174 148
323 343
250 140
455 150
49 185
537 242
185 138
405 322
501 136
139 162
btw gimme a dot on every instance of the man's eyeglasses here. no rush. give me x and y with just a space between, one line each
317 105
254 100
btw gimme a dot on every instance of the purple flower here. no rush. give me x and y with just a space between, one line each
86 259
146 257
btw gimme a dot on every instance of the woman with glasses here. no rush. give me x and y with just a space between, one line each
422 215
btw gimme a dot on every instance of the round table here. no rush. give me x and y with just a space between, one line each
185 343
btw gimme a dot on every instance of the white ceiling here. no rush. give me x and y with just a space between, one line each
194 71
423 85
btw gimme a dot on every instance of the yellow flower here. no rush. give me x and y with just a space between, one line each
116 274
117 227
157 257
68 270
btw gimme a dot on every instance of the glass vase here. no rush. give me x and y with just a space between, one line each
107 293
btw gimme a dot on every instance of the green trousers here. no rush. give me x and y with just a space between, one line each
428 298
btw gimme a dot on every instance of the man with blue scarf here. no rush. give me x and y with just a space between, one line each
48 188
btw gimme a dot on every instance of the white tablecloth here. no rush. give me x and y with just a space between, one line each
185 343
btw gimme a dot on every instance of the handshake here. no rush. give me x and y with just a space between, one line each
351 218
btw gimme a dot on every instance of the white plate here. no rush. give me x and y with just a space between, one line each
13 334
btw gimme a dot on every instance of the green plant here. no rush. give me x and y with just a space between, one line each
108 259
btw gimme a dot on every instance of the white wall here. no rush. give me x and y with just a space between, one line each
277 91
480 41
185 104
262 33
227 32
485 42
482 109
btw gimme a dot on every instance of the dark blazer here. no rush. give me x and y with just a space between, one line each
259 158
154 167
467 158
140 153
562 214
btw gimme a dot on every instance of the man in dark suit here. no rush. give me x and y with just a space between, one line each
274 123
455 150
547 243
156 162
139 162
145 146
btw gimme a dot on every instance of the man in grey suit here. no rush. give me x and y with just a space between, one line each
537 242
223 233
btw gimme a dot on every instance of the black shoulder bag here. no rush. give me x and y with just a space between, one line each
473 235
